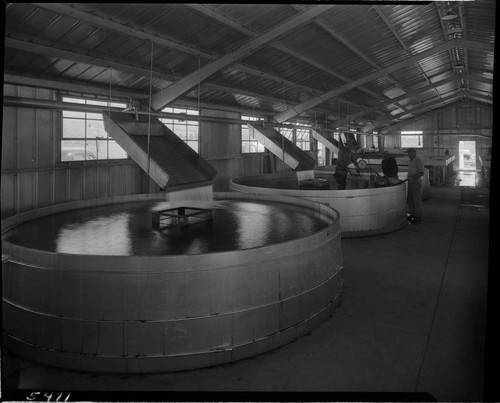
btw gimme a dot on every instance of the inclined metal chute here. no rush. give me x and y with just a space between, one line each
284 149
170 161
326 140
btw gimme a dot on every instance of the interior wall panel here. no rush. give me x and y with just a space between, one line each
26 127
43 130
102 179
25 187
89 175
32 173
43 188
60 184
8 194
9 138
74 180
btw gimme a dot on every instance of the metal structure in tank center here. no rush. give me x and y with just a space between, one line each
180 216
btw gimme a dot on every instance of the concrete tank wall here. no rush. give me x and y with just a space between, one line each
165 313
363 212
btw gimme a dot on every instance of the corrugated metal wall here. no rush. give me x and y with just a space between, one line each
220 145
32 174
34 177
445 129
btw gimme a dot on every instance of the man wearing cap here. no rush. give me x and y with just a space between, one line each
414 198
346 157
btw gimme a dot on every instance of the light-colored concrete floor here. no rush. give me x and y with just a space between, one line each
412 319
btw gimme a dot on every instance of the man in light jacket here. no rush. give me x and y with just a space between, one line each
414 197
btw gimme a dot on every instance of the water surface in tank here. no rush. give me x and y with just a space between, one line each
126 229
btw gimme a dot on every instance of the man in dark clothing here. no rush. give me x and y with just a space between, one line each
346 157
390 169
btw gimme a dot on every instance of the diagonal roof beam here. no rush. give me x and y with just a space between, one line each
357 52
226 21
106 24
160 99
298 109
141 71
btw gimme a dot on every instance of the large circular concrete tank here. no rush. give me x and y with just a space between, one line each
363 210
140 313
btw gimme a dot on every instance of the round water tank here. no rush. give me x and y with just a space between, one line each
364 210
148 313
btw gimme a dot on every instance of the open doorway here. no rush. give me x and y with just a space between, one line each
467 155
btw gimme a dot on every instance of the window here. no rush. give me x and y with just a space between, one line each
287 132
321 154
300 135
412 139
248 142
303 137
186 130
83 134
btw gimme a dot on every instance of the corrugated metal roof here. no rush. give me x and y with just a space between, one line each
110 44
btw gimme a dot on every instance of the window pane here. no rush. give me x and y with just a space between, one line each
73 100
194 145
71 114
95 129
115 151
92 150
303 135
93 102
244 133
411 141
180 130
97 116
192 133
73 128
90 126
97 150
72 150
118 104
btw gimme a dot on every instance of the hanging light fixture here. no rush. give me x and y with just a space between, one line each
449 15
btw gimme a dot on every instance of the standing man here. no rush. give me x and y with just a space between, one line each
346 157
414 198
